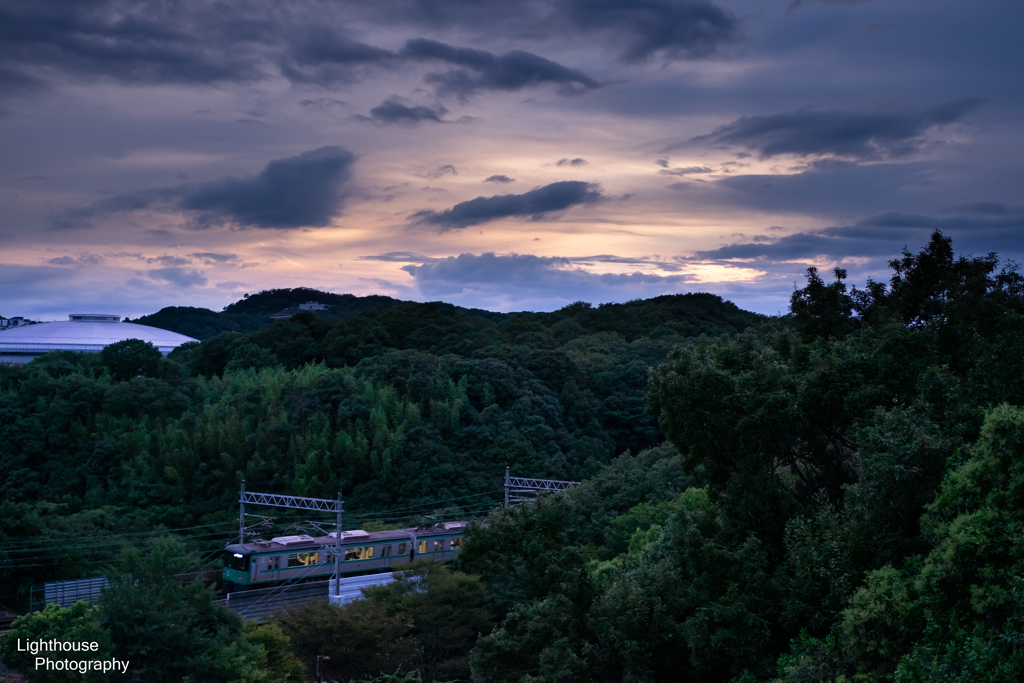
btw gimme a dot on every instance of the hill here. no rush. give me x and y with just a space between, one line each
681 314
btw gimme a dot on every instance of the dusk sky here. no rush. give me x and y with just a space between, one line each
500 154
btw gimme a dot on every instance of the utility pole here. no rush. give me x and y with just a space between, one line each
506 485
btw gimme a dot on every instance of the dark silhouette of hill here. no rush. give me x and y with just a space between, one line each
676 314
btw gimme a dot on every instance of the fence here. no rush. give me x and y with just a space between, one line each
261 603
352 588
67 593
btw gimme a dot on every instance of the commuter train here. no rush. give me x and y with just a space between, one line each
299 558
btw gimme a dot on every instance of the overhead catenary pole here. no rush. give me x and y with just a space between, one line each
337 549
517 487
241 514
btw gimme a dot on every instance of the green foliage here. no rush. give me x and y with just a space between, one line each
171 631
421 627
821 310
819 548
75 624
434 402
165 629
275 657
131 358
444 612
811 660
958 614
839 497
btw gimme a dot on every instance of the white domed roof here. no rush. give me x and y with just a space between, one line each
82 335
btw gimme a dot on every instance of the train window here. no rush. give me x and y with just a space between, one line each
423 547
365 553
237 561
303 559
456 543
401 548
439 546
385 551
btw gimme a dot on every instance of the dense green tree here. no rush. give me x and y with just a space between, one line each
958 613
171 631
424 623
131 358
76 624
821 310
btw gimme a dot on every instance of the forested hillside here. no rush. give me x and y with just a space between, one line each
834 495
412 406
853 508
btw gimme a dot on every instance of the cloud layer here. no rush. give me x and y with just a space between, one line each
307 190
861 136
482 70
972 227
495 281
533 204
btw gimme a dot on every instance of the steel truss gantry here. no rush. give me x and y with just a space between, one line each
298 503
517 487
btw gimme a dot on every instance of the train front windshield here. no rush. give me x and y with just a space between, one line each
237 561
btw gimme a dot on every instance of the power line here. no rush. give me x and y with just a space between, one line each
106 547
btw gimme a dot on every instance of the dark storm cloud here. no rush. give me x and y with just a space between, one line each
835 243
393 111
571 162
800 3
842 189
323 55
239 41
986 209
637 30
170 42
881 235
975 220
137 200
534 204
551 279
486 71
301 191
31 283
16 83
861 136
663 29
178 276
503 179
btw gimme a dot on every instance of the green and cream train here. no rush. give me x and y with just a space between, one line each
300 558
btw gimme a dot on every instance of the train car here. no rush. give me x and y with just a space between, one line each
301 558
